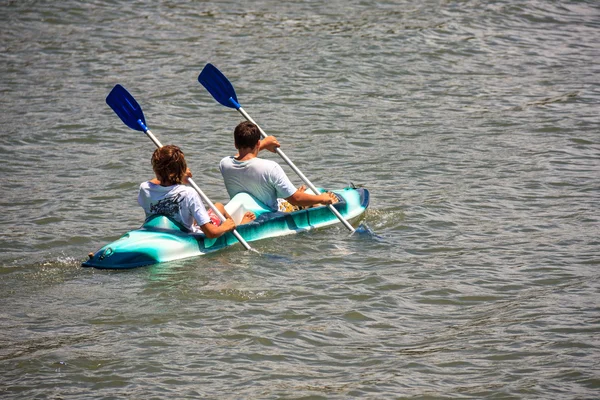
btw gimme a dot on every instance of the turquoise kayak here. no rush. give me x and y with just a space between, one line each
161 239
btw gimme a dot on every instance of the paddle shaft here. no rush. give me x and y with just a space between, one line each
297 171
200 192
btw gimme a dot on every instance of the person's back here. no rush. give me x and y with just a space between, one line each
178 202
263 179
167 195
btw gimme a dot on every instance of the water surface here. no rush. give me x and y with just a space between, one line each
473 124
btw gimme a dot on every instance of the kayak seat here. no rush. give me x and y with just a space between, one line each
243 202
163 223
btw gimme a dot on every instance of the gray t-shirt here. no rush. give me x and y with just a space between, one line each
263 179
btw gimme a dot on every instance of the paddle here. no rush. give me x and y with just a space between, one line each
130 112
221 89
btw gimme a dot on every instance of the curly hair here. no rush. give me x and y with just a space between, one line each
168 163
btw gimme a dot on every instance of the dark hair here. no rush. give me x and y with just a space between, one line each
246 135
169 165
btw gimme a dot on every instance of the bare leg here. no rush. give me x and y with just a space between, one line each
221 208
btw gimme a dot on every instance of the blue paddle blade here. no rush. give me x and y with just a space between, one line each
125 106
365 230
218 86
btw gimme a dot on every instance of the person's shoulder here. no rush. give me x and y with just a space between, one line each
265 162
189 191
227 160
180 187
146 185
272 166
182 191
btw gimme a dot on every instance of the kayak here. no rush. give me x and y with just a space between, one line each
161 239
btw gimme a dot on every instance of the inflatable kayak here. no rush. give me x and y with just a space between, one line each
161 239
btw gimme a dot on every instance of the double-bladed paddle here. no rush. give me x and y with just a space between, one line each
221 89
130 112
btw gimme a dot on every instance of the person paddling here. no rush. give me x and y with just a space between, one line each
168 195
264 179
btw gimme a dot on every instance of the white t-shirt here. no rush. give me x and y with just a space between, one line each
179 202
263 179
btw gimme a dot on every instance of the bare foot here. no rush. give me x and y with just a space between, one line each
249 216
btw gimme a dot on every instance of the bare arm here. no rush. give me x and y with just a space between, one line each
213 231
269 143
303 199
